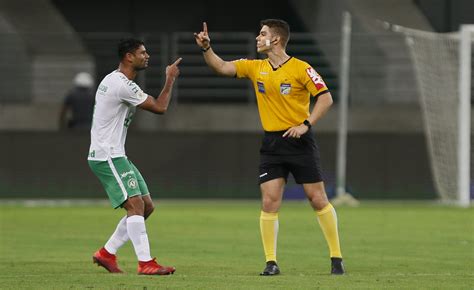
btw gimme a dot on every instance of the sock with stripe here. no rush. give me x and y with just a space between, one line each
269 231
327 219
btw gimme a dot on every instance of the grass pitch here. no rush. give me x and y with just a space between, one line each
216 245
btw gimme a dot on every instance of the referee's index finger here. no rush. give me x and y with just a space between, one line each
204 27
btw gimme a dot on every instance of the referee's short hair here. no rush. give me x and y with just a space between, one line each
128 46
279 27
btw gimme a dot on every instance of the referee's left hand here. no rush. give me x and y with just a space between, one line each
202 38
296 131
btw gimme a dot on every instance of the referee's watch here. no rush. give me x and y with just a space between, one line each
307 123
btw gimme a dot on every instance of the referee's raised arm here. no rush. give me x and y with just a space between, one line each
221 67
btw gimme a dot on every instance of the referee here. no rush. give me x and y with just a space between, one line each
283 85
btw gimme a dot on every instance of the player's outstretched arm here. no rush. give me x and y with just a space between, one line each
160 104
225 68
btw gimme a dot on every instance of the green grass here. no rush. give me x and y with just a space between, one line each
216 245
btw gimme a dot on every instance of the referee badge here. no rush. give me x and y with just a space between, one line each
261 87
285 89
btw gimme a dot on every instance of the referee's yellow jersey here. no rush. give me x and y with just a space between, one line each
282 93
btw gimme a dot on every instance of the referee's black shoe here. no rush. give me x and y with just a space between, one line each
337 268
271 269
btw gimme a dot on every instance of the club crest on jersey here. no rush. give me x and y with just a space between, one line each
261 87
132 183
285 89
316 78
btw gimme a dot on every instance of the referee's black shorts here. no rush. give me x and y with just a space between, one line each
281 155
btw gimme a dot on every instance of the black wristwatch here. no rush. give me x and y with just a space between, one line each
307 123
205 49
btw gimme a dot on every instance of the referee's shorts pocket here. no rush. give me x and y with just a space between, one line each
268 144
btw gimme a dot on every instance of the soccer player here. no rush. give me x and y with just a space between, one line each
283 85
116 100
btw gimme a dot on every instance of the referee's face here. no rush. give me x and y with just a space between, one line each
264 40
140 58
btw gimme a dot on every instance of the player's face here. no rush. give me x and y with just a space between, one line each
264 40
140 58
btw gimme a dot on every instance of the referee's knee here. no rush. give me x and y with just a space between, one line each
270 204
318 199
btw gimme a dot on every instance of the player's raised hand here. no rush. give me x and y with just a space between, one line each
172 71
202 38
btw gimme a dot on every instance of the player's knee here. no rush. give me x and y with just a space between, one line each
135 206
149 209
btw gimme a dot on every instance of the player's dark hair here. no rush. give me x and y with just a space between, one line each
279 27
128 46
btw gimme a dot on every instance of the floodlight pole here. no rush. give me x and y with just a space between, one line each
343 104
342 197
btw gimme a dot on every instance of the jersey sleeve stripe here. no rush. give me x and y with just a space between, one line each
321 93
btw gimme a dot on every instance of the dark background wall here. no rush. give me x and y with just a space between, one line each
447 15
171 16
207 165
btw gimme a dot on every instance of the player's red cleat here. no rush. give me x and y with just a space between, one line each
106 260
153 268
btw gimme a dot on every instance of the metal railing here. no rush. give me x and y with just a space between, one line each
197 82
381 70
